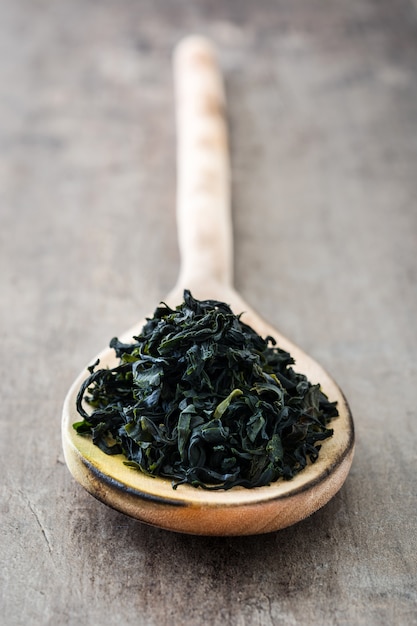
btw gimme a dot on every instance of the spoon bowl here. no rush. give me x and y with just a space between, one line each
205 240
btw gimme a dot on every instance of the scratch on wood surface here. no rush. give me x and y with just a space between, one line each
38 521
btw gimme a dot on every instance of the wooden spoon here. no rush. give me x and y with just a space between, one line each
205 240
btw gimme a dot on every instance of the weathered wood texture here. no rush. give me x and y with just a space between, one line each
323 115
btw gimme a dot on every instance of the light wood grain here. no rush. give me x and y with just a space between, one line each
322 114
204 219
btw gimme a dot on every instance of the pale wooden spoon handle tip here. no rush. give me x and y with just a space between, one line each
203 165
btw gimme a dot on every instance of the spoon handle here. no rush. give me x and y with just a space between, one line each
203 165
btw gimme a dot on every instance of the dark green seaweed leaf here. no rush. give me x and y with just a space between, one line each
200 397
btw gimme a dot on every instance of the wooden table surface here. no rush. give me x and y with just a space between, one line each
322 104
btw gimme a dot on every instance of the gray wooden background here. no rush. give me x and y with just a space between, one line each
323 118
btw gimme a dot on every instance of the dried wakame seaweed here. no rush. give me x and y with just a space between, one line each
201 398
